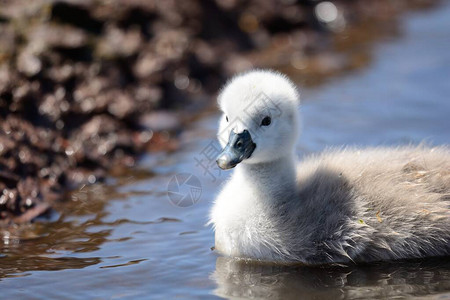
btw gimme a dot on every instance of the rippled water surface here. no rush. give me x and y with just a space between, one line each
127 240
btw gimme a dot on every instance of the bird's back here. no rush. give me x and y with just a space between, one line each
373 204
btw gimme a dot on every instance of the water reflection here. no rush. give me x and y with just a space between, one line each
243 279
57 245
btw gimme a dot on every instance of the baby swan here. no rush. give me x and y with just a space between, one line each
340 206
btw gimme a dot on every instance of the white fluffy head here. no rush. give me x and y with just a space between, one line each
249 98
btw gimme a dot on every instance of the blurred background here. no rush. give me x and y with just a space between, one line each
104 103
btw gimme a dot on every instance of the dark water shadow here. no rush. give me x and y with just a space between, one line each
243 279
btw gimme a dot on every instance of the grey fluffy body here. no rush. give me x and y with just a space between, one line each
367 205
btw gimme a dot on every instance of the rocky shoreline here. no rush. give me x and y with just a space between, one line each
88 86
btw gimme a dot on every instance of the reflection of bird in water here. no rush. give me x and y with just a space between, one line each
343 205
237 279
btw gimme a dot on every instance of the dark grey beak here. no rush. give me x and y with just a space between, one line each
240 146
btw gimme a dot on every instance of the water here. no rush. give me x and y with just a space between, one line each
126 240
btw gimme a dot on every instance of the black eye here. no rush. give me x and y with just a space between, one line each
266 121
226 118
